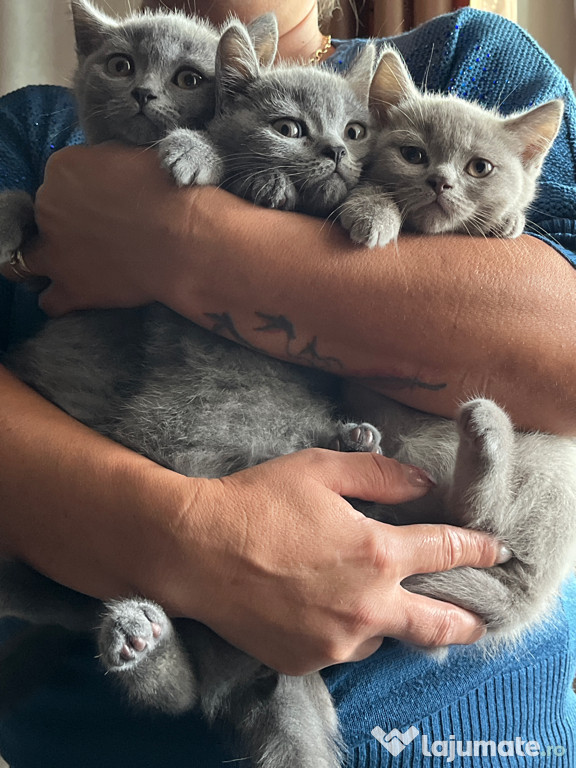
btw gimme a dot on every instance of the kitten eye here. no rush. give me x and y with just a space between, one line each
414 155
479 168
187 79
292 129
355 131
120 65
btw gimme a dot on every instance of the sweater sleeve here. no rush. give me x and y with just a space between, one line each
34 122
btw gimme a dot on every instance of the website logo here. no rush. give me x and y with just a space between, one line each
395 741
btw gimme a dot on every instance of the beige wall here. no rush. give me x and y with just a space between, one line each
36 41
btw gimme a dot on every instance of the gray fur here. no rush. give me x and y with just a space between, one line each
207 407
159 45
312 173
519 486
195 403
163 49
442 194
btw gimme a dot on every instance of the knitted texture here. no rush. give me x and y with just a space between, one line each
522 693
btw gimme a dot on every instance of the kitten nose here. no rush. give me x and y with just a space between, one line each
143 95
439 185
334 152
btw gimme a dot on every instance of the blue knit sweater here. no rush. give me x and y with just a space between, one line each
521 696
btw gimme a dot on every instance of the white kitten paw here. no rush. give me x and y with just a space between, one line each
190 157
130 631
371 217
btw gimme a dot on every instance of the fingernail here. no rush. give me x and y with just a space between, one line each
417 476
504 554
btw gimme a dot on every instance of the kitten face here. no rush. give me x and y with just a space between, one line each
306 123
450 165
309 126
139 78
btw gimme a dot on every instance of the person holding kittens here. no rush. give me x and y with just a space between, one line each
515 345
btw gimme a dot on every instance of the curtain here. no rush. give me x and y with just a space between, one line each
382 18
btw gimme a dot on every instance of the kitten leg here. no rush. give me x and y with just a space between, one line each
278 721
482 485
521 488
138 644
283 722
191 158
16 222
26 594
371 216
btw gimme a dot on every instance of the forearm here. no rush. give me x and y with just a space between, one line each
430 322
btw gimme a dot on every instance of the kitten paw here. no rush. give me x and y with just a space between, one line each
371 218
190 158
357 438
270 189
131 630
510 226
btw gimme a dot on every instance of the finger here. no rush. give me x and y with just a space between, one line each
431 548
371 477
433 623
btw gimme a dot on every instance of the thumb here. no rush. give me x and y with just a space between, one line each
372 477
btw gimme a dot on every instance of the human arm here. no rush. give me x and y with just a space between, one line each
271 558
432 322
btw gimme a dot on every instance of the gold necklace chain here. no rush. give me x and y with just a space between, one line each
326 45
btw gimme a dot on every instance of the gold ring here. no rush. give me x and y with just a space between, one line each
19 266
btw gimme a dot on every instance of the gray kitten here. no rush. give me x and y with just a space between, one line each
291 137
441 164
136 80
195 402
488 477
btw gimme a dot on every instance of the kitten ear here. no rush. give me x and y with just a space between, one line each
263 32
536 131
236 62
391 83
359 73
90 26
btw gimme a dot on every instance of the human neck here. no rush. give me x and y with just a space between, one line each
300 37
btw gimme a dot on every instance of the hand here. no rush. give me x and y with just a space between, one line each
98 244
288 571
